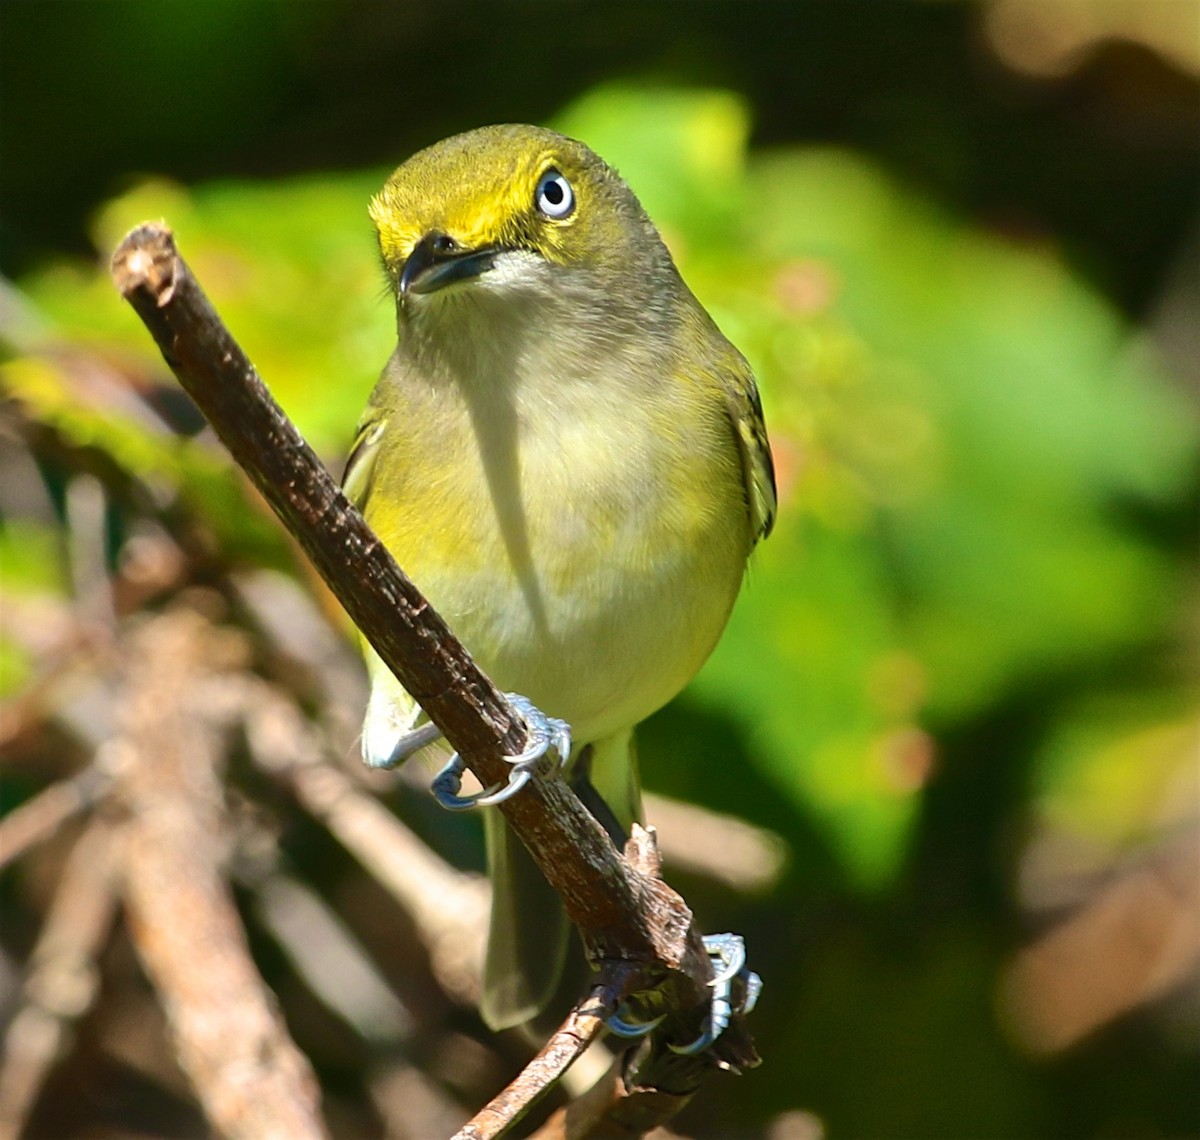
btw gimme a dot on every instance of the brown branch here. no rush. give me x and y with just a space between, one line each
642 1091
646 1086
583 1025
623 914
612 1110
251 1079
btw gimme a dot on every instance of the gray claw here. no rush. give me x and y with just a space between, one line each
728 952
446 784
753 989
618 1025
545 733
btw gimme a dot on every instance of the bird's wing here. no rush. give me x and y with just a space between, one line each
360 466
750 430
391 713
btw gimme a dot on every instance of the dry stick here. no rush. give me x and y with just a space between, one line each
583 1025
621 914
63 978
39 818
612 1110
250 1078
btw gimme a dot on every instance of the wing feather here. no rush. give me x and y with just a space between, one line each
360 464
750 430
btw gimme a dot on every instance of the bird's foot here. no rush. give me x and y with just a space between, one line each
546 733
728 954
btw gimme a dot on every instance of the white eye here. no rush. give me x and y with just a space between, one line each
555 198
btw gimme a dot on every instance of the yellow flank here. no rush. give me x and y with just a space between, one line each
564 453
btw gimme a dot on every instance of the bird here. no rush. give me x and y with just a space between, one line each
569 459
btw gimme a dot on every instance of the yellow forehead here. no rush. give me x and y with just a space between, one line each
478 188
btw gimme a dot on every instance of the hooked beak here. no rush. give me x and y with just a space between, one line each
437 261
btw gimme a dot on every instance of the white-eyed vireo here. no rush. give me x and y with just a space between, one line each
569 460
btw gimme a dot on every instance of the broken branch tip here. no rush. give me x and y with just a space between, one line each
146 259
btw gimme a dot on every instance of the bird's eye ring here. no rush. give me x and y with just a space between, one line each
554 195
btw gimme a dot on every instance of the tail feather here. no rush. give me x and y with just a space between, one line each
527 971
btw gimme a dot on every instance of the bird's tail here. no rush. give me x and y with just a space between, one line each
535 964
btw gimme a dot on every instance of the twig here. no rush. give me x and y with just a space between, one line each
39 818
646 1086
611 1110
620 914
582 1026
252 1081
641 1091
63 978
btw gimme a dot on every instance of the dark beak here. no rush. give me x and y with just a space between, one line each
437 261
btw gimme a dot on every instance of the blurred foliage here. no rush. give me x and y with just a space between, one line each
969 441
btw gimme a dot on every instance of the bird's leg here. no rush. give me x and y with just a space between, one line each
728 953
546 733
408 744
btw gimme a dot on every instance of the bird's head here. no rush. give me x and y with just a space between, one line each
512 208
